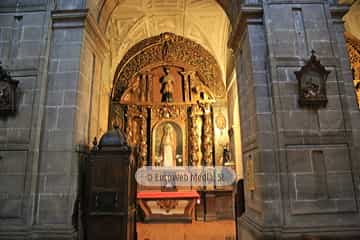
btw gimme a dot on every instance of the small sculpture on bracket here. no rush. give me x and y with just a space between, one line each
312 83
7 92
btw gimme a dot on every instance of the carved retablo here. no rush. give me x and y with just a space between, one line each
167 87
170 49
353 46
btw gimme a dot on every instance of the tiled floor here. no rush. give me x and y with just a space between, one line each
217 230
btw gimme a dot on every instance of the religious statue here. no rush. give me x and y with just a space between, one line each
168 146
167 87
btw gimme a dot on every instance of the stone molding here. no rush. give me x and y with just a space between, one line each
69 18
338 12
81 18
96 37
248 15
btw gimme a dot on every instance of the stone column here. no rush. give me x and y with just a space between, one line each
71 119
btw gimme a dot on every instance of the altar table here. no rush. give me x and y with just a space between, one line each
173 206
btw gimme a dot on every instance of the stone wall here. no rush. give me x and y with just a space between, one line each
305 160
24 52
41 46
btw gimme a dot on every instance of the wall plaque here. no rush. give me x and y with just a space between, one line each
312 83
7 92
250 173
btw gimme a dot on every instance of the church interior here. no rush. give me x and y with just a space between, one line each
99 98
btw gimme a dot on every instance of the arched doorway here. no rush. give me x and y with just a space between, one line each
126 23
194 107
142 41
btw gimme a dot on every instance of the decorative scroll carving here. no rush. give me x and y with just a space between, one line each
136 131
169 112
7 92
139 89
207 137
117 116
143 152
167 204
170 48
353 47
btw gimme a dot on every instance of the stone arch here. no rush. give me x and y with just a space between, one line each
126 22
102 9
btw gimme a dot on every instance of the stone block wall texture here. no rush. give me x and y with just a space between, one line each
38 146
22 51
305 161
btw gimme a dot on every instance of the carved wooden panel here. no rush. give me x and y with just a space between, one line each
168 49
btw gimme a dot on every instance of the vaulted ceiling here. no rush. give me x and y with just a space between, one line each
352 19
203 21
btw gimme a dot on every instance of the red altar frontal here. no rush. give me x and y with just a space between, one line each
168 206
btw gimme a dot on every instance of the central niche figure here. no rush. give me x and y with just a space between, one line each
167 86
168 146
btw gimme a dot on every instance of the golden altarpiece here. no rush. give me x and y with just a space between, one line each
170 99
353 46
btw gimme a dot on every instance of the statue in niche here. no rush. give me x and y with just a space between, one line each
167 86
168 146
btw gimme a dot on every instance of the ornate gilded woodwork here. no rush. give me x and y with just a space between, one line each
167 204
143 146
169 81
207 137
168 49
117 115
168 111
176 116
195 135
353 47
136 130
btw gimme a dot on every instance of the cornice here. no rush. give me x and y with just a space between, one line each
338 12
69 18
81 18
248 15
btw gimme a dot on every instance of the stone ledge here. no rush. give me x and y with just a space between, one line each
50 232
69 18
248 15
253 231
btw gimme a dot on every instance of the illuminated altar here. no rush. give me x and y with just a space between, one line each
170 99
